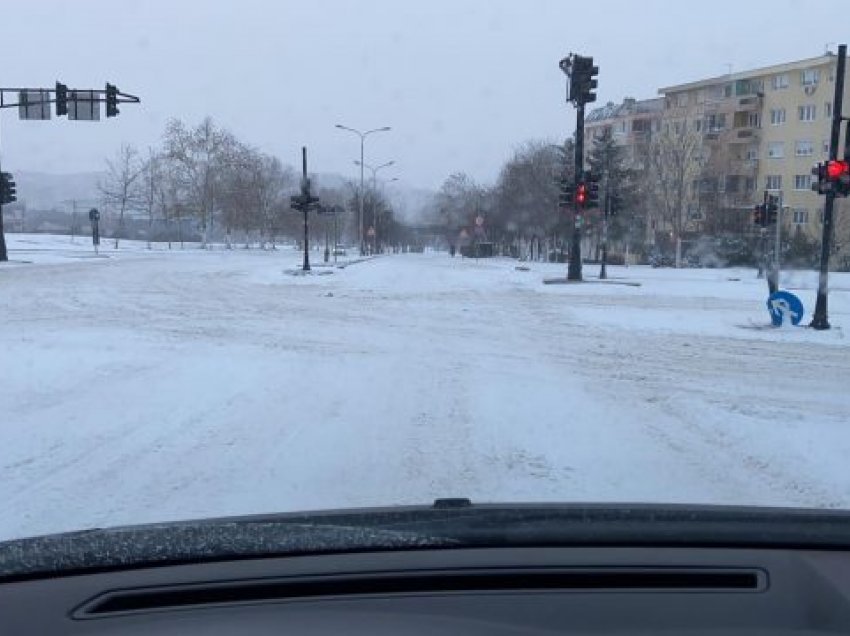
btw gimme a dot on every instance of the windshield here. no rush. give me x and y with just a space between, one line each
265 257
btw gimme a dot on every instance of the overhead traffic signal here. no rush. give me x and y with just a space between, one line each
111 100
61 99
8 190
583 80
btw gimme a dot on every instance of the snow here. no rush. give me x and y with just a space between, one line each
152 385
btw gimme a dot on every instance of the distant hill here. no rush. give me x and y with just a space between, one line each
44 191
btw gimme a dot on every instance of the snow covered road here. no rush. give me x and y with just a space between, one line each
171 385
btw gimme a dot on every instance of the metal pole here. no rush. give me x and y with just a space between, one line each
306 266
574 269
820 320
4 254
362 141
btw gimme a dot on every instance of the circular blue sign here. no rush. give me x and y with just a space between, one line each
783 306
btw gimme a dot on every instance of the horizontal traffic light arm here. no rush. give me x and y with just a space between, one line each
100 96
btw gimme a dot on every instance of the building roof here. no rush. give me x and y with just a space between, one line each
628 107
756 72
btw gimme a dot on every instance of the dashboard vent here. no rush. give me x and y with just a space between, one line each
423 582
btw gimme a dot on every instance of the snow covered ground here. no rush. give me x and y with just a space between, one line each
155 385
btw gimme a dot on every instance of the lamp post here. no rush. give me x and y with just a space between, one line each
362 136
374 170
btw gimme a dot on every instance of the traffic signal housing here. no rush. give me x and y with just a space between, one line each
583 80
565 192
759 216
8 189
111 100
581 193
838 174
592 182
772 210
832 176
61 99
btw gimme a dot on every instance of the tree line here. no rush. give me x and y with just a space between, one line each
203 176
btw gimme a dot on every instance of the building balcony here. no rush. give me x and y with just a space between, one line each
749 104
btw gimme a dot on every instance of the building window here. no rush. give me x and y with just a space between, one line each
827 109
716 123
801 216
727 90
807 112
804 148
698 125
733 183
777 116
802 182
825 147
749 184
780 81
754 120
752 153
682 100
776 150
773 182
809 77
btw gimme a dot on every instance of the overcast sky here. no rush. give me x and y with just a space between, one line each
461 82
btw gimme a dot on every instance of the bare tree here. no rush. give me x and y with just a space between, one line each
675 163
152 189
120 188
199 157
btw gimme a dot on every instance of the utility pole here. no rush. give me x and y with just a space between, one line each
820 319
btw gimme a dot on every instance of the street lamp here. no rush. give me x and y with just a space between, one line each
375 170
362 136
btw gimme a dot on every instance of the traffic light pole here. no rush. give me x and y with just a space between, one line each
306 266
820 320
574 269
4 254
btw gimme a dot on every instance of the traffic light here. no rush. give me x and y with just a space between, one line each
583 80
61 99
581 193
8 191
759 215
111 100
772 210
592 188
565 192
819 181
838 174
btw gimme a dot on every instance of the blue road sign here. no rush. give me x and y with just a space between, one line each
783 306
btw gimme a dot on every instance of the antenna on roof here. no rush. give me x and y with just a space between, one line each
729 67
826 50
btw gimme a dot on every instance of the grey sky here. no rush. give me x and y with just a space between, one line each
461 82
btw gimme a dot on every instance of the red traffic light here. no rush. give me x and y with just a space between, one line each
581 193
837 169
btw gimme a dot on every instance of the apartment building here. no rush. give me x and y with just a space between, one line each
761 129
632 123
